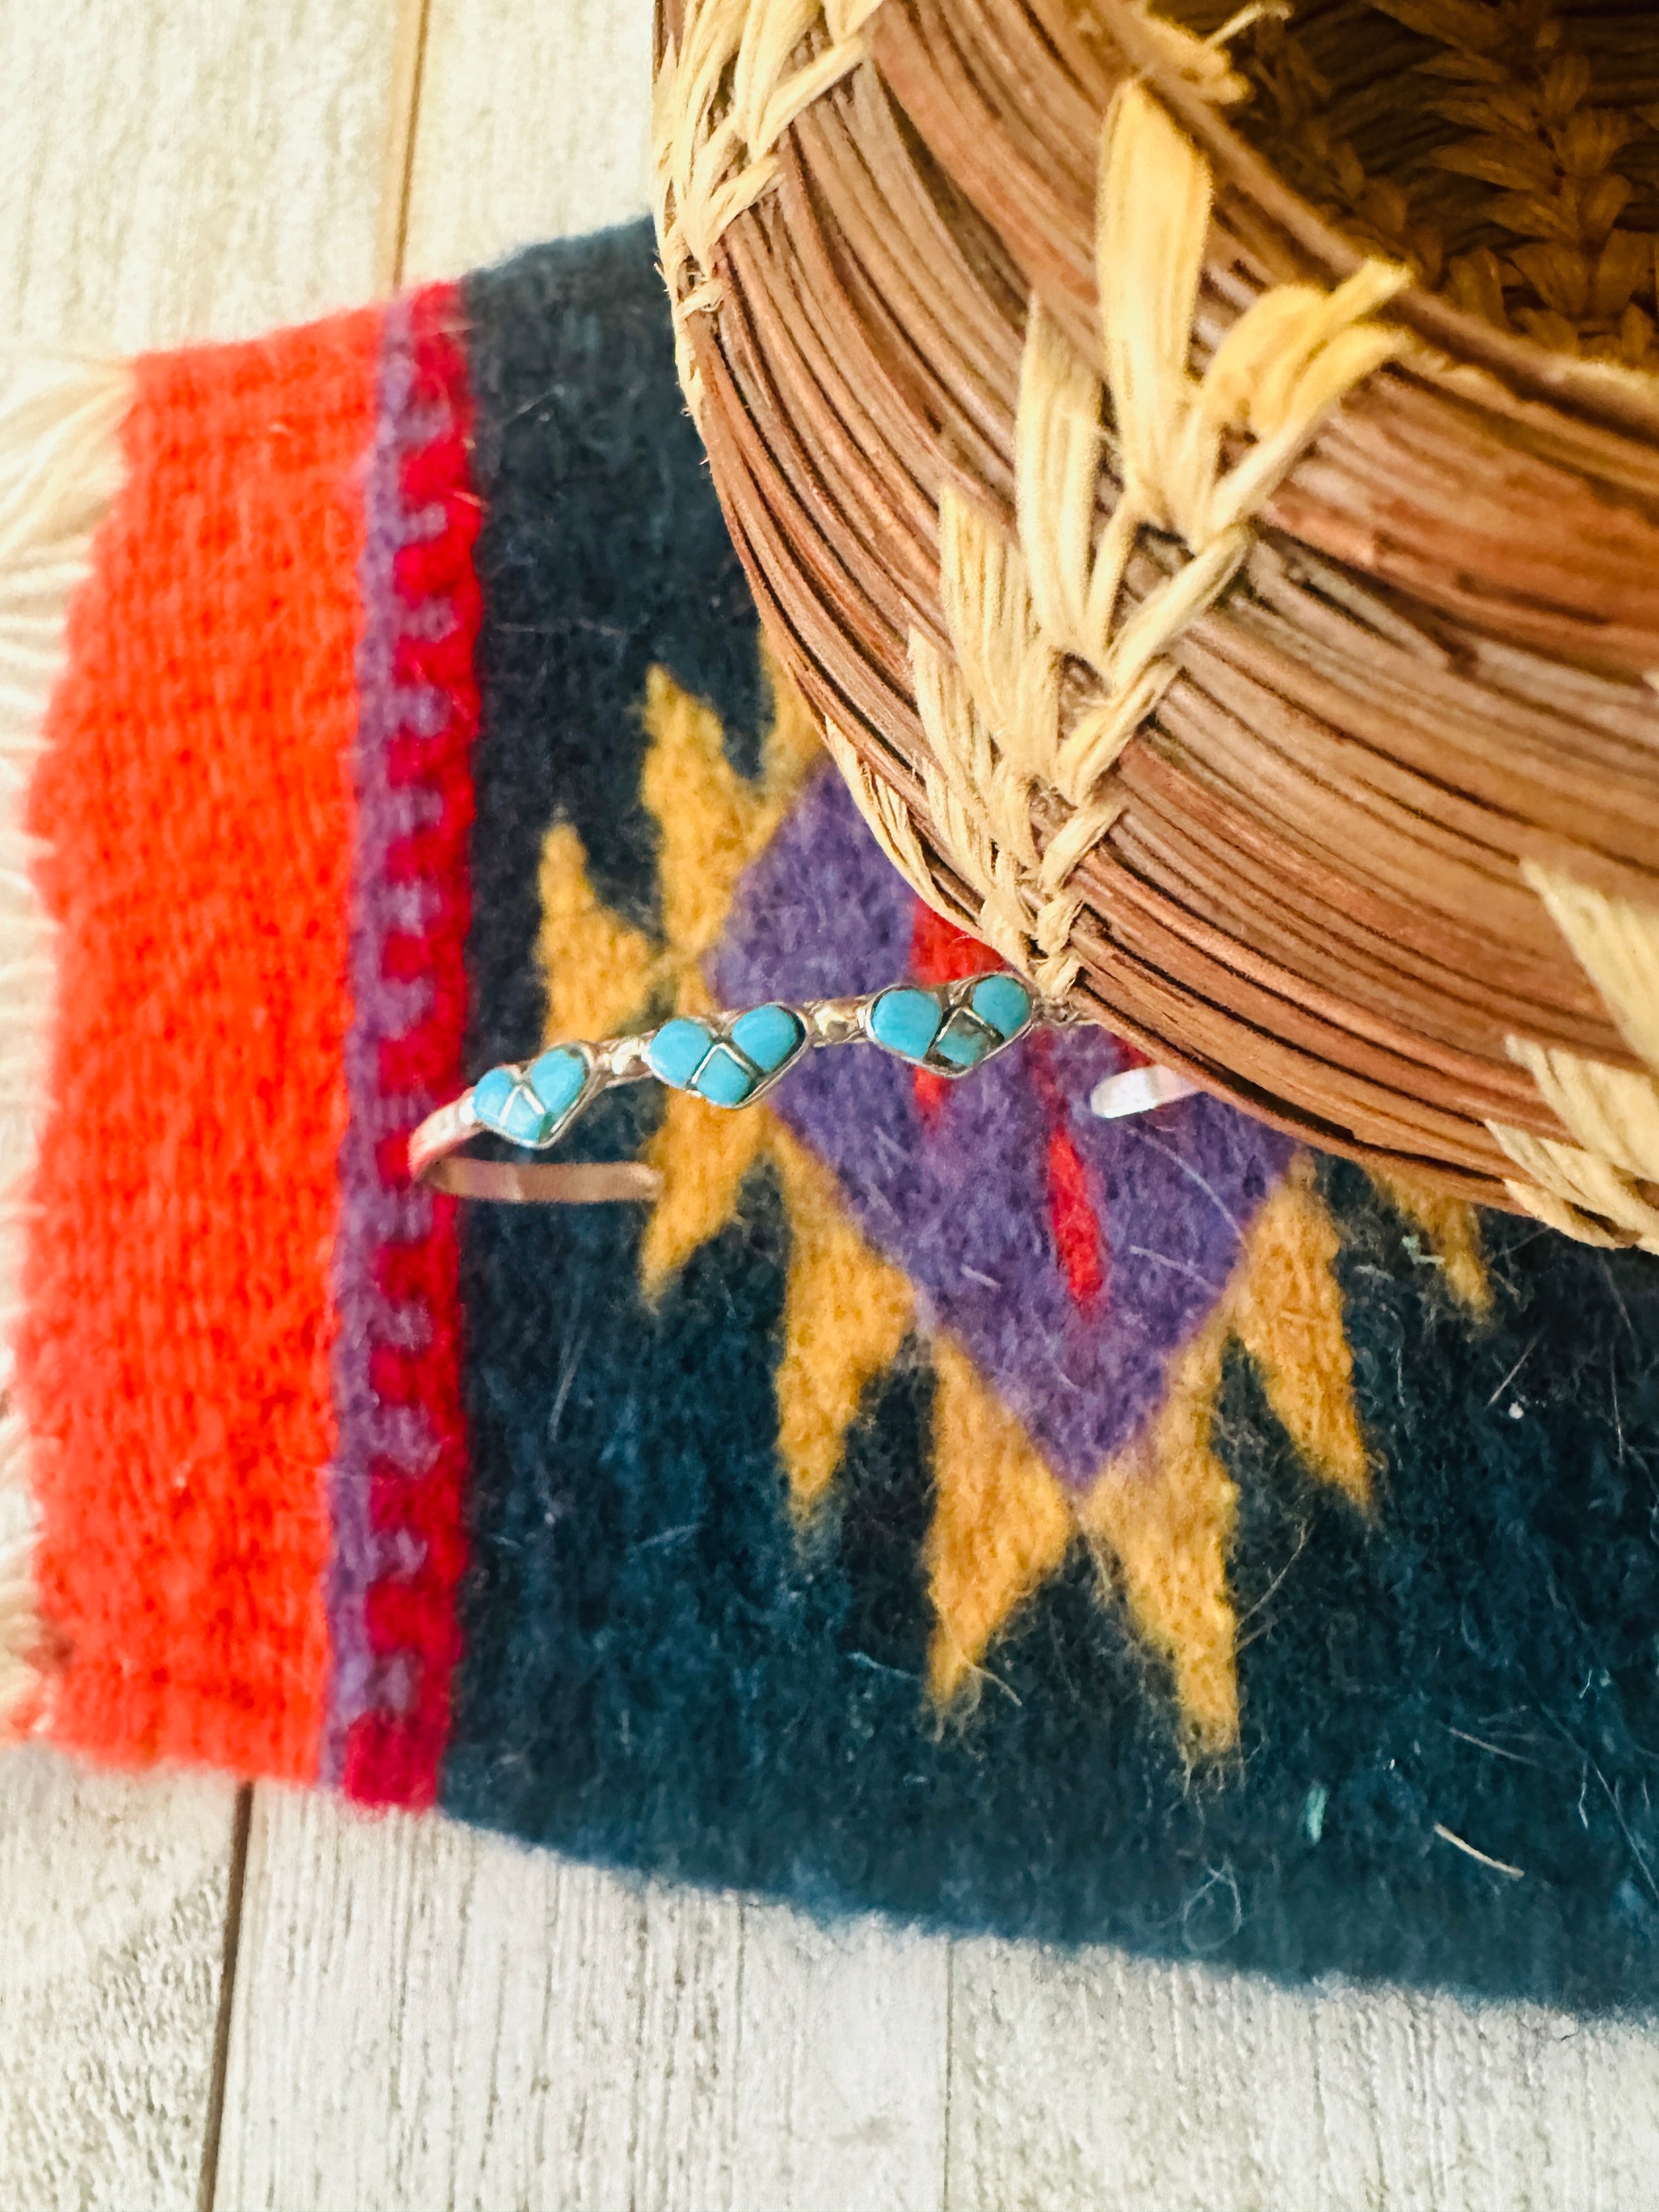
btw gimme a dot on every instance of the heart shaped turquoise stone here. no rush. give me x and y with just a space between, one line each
727 1072
906 1020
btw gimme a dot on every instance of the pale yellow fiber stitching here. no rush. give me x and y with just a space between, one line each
1612 1112
724 96
1617 942
1593 1190
993 719
891 823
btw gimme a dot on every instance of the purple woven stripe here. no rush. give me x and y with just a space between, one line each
373 1216
962 1206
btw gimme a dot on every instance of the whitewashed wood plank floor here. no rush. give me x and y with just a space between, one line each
417 2017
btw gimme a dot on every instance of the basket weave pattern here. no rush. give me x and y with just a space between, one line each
1242 637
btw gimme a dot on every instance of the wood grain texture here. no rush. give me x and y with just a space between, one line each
112 1904
169 170
429 2017
1090 2079
532 124
178 169
842 2081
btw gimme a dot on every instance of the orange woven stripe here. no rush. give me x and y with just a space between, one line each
174 1358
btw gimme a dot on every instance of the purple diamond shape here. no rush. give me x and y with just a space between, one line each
960 1201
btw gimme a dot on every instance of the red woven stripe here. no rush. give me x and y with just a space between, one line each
1079 1241
395 1756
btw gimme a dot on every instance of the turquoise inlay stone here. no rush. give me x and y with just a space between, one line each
678 1050
723 1080
491 1096
1004 1002
767 1036
503 1102
525 1120
556 1078
963 1043
907 1021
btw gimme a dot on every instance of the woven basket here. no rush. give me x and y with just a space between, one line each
1206 479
